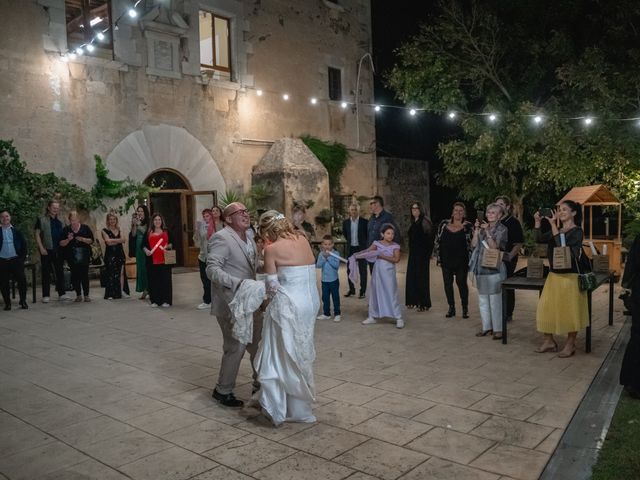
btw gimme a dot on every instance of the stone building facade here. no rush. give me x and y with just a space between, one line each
150 99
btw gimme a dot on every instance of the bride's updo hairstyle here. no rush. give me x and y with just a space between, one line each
273 225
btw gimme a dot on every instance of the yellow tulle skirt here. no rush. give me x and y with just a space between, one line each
562 307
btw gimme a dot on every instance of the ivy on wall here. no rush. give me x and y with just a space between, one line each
333 156
26 194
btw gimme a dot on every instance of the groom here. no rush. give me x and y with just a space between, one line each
232 258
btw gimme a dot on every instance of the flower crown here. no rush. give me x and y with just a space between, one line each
279 217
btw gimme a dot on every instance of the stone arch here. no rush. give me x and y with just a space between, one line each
158 147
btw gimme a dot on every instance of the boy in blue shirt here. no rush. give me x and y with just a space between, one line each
328 262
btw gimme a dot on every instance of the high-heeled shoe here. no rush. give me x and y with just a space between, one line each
550 348
484 333
451 312
567 355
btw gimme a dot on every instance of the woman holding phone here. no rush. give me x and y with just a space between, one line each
562 308
489 234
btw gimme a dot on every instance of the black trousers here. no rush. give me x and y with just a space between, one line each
461 280
511 294
80 279
362 268
206 283
8 268
53 262
160 287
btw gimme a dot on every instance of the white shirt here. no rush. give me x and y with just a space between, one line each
354 232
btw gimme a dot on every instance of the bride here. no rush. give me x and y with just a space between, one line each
285 357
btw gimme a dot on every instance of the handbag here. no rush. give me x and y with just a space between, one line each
169 257
586 279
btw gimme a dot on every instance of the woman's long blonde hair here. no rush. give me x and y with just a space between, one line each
273 225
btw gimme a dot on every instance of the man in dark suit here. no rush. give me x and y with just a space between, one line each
354 229
13 250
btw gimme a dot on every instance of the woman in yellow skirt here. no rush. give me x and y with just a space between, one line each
562 308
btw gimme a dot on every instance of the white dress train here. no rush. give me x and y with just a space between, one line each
284 361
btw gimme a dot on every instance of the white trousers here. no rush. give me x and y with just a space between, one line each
491 311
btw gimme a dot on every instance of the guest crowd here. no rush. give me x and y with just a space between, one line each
234 255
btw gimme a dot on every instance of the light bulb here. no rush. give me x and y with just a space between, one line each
344 104
100 36
79 51
314 101
72 55
452 115
90 48
285 96
259 93
493 117
588 121
132 13
377 108
537 119
412 111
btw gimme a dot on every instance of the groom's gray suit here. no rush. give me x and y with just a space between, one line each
230 261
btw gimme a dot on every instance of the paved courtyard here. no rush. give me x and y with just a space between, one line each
115 389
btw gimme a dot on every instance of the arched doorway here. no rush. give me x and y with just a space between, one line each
180 206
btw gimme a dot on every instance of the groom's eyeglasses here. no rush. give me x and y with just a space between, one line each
244 212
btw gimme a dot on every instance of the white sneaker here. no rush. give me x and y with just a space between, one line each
369 321
125 295
399 323
337 318
203 306
323 317
165 305
64 297
154 305
45 299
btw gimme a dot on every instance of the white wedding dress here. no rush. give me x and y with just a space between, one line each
284 361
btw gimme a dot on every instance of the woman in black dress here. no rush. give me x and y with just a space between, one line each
417 292
453 244
115 279
630 371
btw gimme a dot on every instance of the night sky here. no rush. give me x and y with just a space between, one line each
398 134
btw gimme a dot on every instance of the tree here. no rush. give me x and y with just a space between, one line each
519 60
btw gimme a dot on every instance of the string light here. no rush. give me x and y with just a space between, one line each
412 112
314 100
100 36
79 51
537 119
452 115
344 105
493 118
132 13
377 108
90 48
95 21
285 97
259 93
588 121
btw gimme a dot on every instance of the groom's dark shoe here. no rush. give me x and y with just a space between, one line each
228 400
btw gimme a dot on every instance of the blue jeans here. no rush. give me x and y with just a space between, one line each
331 289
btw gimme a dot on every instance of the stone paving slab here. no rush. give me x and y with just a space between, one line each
116 389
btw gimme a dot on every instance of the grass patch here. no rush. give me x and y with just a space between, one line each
620 454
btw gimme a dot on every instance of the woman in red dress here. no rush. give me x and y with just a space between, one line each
159 274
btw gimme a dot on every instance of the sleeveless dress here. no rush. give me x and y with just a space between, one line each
113 262
284 361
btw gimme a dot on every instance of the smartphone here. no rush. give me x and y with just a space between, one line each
480 215
546 212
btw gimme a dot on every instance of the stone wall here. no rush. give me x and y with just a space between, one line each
61 114
402 181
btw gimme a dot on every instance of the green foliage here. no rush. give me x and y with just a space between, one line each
493 57
128 189
333 156
26 194
619 459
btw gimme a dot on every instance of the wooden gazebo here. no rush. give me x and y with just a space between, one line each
600 196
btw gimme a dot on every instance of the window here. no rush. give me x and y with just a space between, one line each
215 43
88 22
335 84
